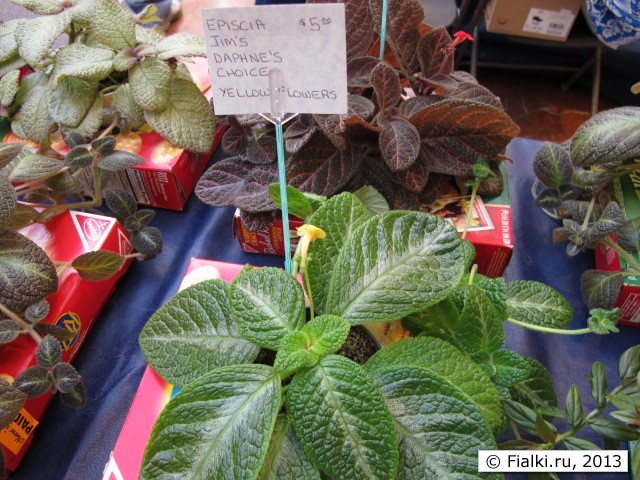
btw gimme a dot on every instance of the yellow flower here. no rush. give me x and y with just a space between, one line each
307 234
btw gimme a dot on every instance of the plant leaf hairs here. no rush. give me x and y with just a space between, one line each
571 186
403 145
418 408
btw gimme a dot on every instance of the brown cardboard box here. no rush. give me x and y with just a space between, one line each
545 19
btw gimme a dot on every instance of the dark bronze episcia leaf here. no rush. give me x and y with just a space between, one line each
26 273
256 221
65 377
399 143
415 177
36 311
104 146
120 202
386 85
435 54
119 160
262 151
359 71
33 381
475 92
612 136
9 151
234 141
59 333
11 401
236 181
600 289
76 397
147 241
49 352
403 20
7 201
552 165
360 133
454 133
299 132
32 166
65 183
9 331
322 169
628 237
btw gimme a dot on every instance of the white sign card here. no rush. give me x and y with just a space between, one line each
307 43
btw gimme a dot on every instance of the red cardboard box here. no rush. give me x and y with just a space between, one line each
626 194
154 392
490 231
63 238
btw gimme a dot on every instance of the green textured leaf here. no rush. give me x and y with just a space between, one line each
32 166
624 402
49 352
294 354
87 63
612 136
629 363
327 333
552 165
267 303
78 157
119 160
511 368
537 304
148 36
545 429
36 35
600 289
613 430
99 265
9 151
446 361
479 327
537 389
196 327
395 264
71 100
299 205
286 459
113 24
496 290
628 237
11 401
120 202
603 322
124 102
34 114
150 83
187 121
8 45
104 145
522 415
342 421
338 217
598 383
573 407
7 201
13 62
372 199
216 427
439 430
65 183
32 381
9 85
41 7
181 45
91 122
23 215
574 443
26 272
125 60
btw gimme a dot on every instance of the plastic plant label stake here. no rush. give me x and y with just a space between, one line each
306 42
278 117
383 29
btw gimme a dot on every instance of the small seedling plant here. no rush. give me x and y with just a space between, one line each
419 408
412 123
571 186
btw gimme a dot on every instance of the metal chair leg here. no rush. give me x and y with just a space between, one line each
595 88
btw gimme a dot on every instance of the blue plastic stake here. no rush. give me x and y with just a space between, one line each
383 29
276 85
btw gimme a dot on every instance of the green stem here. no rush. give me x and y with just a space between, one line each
110 88
587 217
622 252
539 328
474 192
630 273
514 429
534 189
38 181
133 255
307 284
108 130
61 267
472 274
20 321
626 169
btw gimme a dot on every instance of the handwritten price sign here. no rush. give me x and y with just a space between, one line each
305 42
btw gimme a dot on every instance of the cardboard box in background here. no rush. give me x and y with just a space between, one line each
490 232
607 259
545 19
63 238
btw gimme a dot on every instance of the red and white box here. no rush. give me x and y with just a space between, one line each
154 392
75 306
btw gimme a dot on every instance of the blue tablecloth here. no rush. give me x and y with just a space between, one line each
75 445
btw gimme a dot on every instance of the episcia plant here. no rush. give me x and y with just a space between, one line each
419 408
572 187
412 123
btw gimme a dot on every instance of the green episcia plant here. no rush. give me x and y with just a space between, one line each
404 147
420 408
574 176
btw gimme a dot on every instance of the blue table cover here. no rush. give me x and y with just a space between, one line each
75 444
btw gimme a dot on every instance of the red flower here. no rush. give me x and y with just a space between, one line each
460 37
